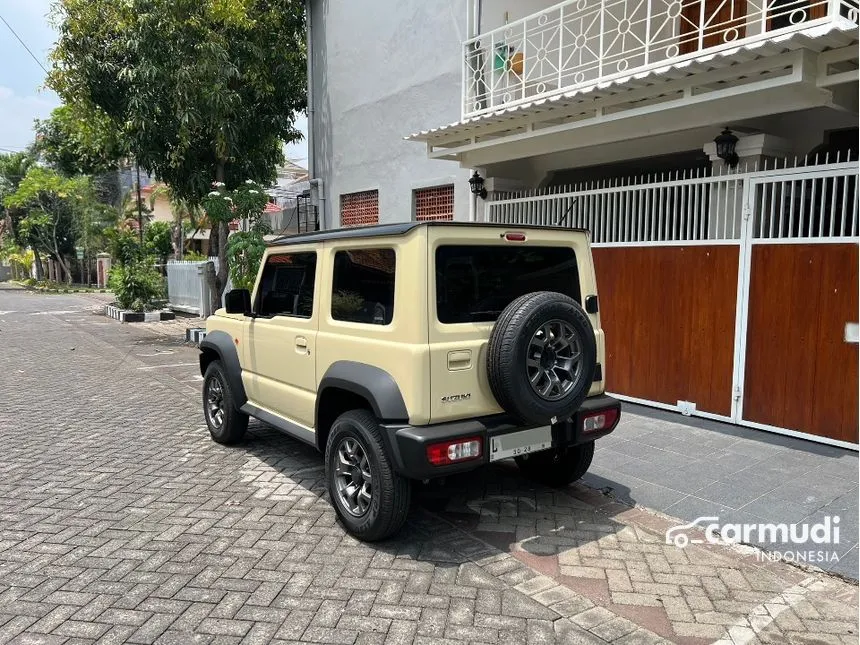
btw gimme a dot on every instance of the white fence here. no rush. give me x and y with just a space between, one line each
805 202
187 289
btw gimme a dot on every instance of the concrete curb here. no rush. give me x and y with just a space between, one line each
122 315
195 335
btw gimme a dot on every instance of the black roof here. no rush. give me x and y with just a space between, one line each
401 228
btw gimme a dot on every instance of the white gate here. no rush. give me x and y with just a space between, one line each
803 205
187 290
793 367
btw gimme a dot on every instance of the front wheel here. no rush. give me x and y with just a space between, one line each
370 499
225 422
558 467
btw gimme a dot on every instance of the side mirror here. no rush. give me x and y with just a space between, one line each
238 301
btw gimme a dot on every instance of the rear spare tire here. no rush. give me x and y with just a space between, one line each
541 357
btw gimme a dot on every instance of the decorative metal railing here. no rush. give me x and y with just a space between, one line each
577 44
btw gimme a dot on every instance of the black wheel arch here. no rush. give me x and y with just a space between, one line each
218 345
349 385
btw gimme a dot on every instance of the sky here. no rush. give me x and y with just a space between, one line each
23 96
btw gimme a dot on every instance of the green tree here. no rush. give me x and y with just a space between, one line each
203 90
158 240
13 168
48 205
77 139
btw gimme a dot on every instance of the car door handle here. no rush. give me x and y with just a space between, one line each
302 345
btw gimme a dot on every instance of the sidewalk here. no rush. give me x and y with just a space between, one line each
704 468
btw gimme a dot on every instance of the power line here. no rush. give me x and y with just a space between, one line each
23 44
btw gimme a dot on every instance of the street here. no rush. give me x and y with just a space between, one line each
123 522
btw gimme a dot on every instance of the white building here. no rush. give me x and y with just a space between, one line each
725 287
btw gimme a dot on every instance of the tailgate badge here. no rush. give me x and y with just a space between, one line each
456 398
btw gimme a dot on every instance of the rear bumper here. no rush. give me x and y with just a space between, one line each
407 444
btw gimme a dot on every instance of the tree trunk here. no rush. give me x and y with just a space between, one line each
221 278
213 241
65 266
223 230
215 304
40 270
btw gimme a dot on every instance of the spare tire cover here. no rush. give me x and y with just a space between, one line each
541 357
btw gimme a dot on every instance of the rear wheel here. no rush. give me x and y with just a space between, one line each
558 467
370 499
225 422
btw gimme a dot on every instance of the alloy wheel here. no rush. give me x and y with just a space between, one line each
554 360
215 403
353 477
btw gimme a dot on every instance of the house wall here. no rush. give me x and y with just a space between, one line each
161 211
380 75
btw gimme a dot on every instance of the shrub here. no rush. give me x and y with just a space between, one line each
125 247
136 285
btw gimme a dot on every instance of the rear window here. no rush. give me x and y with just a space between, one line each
475 283
363 286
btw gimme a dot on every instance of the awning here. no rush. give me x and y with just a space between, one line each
202 234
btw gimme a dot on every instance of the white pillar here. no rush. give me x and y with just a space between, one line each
725 207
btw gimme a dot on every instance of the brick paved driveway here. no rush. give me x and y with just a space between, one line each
122 522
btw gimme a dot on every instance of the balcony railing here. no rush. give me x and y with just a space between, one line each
580 43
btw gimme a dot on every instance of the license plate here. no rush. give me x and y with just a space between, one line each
520 443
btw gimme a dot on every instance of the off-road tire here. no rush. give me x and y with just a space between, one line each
235 422
558 468
507 350
390 493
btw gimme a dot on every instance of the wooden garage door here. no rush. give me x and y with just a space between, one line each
800 372
668 313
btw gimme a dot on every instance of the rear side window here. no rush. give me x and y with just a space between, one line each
475 283
363 286
287 285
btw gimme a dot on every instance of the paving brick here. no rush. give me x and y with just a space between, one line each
116 635
77 628
613 629
329 635
397 612
401 632
540 632
154 627
32 638
432 622
468 633
177 540
364 623
592 617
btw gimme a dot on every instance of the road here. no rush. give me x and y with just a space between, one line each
122 522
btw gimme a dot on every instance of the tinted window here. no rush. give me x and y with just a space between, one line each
475 283
287 285
363 288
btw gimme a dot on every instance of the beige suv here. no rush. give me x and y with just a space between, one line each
413 351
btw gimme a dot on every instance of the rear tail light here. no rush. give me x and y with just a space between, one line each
600 420
515 237
450 452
